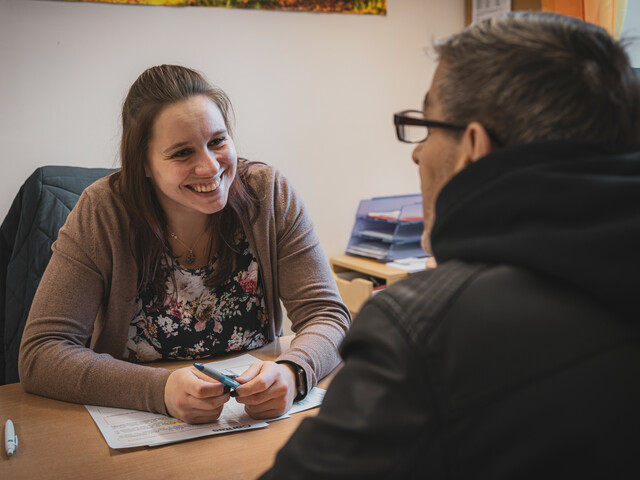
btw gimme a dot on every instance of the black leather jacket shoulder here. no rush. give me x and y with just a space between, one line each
477 371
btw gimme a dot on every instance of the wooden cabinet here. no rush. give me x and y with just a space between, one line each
358 278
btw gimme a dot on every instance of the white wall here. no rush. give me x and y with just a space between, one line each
631 29
314 93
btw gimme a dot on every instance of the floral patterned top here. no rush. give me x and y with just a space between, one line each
195 321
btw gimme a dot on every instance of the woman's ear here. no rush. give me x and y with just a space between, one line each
476 143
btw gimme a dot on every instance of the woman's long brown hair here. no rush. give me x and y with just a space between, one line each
156 88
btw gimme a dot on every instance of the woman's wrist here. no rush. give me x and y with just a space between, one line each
300 378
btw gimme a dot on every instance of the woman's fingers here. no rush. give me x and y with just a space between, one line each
269 392
192 398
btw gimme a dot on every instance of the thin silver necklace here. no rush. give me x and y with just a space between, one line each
191 257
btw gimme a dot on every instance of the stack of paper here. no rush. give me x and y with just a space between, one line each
410 264
123 428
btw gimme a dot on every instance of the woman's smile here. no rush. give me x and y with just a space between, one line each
206 187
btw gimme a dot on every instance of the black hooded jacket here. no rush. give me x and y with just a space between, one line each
519 356
564 209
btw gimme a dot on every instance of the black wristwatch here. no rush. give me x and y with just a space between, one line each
301 379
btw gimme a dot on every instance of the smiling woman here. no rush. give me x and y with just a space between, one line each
185 253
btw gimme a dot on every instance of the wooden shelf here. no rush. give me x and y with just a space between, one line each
355 292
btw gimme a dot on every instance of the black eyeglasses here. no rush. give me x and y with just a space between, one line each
412 127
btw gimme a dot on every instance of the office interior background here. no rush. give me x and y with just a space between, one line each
314 93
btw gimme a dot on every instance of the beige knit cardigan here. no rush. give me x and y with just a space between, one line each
86 298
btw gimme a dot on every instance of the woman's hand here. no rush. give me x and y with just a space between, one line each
193 397
267 390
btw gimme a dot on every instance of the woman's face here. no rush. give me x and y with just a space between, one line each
191 158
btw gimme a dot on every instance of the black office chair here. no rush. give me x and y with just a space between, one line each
27 232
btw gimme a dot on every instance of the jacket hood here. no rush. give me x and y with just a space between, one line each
570 210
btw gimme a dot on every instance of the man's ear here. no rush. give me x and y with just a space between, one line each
475 144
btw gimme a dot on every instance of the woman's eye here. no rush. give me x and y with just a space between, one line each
181 153
217 141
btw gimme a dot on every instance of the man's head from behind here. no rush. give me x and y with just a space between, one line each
521 78
537 76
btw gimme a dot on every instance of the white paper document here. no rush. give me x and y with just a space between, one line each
123 428
411 264
489 8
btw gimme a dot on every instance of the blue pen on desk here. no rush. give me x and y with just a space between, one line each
10 438
216 375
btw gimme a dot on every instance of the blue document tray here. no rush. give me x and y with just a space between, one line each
388 228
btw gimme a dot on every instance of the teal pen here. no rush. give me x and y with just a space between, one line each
217 375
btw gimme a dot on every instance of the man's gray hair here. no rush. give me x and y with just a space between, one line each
529 77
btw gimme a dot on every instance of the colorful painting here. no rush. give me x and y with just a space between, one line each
372 7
